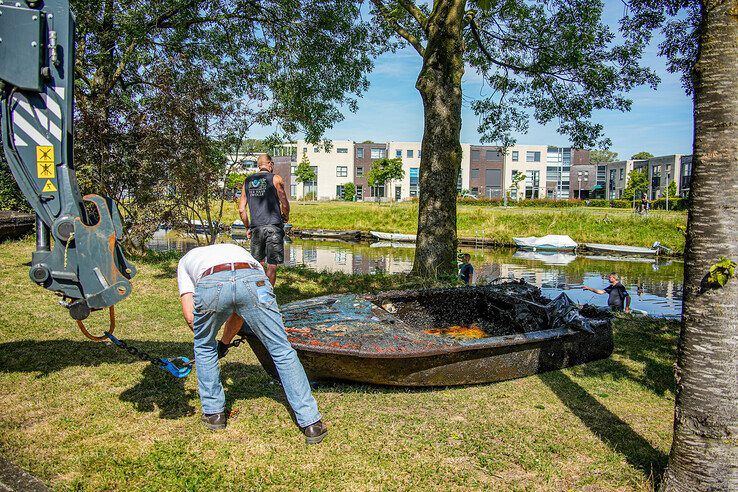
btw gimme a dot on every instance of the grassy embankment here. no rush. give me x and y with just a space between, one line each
583 224
85 416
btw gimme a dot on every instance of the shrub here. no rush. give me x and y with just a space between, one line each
349 192
676 204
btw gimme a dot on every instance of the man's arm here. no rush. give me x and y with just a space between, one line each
627 302
188 309
284 203
243 210
596 291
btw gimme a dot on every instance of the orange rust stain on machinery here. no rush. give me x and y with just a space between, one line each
457 331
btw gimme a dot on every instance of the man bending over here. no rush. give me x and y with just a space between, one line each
216 282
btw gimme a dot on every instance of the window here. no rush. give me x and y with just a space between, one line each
531 156
341 171
339 192
293 170
304 150
342 150
360 171
532 181
293 191
458 183
398 153
475 191
475 156
359 193
410 154
378 153
622 173
492 155
515 155
316 149
552 173
474 174
377 191
414 179
360 153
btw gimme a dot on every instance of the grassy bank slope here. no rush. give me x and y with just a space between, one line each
85 416
594 225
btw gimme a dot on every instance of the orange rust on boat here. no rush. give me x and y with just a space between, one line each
458 331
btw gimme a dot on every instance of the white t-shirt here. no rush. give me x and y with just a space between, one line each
196 261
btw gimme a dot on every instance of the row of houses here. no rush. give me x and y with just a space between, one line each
486 171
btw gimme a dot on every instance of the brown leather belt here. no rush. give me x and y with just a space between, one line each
227 267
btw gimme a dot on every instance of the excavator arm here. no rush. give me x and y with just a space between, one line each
78 255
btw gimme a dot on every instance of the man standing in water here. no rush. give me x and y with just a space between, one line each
618 296
466 270
264 195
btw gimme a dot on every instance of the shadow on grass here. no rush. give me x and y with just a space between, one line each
607 426
156 389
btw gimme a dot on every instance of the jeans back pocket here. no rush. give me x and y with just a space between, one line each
206 296
265 293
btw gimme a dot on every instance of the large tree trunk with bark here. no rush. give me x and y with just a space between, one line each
439 84
704 452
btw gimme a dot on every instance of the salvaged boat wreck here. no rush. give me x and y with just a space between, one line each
441 337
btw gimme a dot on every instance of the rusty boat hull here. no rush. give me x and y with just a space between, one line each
406 338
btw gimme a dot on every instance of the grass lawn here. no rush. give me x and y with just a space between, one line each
85 416
583 224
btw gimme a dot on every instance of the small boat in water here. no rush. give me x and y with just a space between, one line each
546 257
551 242
441 337
617 248
394 236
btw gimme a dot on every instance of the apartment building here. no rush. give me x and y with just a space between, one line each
364 155
617 178
333 167
530 160
410 154
663 170
486 165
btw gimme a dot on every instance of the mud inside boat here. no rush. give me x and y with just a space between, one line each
432 337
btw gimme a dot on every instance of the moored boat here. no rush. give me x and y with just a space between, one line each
394 236
441 337
617 248
551 242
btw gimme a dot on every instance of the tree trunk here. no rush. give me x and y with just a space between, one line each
439 84
704 452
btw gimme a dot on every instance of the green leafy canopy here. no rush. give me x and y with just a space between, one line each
384 170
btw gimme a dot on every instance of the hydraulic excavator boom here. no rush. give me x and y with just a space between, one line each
78 255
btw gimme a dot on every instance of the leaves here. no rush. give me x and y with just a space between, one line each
304 172
384 170
720 273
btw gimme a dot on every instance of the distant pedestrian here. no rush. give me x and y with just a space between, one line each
644 204
466 271
618 299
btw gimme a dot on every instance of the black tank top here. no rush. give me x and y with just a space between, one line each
261 195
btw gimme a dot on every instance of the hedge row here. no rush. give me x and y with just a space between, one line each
547 203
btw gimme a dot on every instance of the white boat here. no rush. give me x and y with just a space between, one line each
616 248
550 242
547 257
393 236
390 244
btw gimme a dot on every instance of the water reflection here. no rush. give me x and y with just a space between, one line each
655 285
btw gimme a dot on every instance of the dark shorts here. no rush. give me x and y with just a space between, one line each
268 242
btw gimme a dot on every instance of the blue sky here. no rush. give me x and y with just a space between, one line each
660 121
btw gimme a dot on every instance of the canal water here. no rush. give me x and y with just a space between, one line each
655 286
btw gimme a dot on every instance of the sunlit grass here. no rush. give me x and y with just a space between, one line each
583 224
85 416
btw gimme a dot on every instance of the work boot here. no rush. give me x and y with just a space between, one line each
222 349
314 433
214 421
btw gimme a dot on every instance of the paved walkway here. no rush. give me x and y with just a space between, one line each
13 479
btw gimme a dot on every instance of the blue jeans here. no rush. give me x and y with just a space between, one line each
249 294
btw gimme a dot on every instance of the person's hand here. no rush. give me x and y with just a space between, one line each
627 310
248 233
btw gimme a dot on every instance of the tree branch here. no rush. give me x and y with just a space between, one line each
387 16
417 14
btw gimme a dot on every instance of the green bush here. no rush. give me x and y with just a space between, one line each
549 203
677 204
602 202
349 192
